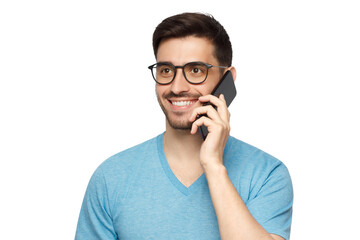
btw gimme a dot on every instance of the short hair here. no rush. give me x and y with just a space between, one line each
198 25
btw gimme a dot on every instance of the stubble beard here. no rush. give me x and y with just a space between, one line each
180 122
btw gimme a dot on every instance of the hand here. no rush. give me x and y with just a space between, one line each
217 122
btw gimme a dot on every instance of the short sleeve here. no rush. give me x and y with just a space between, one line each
95 220
271 206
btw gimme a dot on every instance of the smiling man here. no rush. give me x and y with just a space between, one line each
176 185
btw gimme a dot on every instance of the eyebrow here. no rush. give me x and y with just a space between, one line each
165 62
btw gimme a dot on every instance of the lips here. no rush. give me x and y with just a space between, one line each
183 103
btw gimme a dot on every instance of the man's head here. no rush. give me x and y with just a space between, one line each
179 41
198 25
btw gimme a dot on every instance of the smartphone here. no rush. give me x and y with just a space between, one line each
226 87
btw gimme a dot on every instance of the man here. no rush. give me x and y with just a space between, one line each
178 186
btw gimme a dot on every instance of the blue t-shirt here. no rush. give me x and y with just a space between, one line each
135 195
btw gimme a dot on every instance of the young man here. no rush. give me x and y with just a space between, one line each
178 186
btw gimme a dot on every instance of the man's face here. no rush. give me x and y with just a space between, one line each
179 98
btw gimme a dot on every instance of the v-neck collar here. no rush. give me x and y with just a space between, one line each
169 173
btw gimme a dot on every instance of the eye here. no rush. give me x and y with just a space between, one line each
164 70
196 69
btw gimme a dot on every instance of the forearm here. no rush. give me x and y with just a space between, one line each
234 219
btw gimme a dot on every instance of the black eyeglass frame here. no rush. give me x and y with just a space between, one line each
208 66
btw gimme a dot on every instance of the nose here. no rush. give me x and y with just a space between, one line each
179 84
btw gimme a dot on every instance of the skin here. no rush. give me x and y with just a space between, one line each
198 156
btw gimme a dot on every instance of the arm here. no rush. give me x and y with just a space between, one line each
95 220
230 209
234 218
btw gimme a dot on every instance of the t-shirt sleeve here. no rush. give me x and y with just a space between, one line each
272 204
95 221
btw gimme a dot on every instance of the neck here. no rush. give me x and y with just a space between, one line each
182 145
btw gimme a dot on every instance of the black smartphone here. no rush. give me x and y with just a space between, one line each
226 87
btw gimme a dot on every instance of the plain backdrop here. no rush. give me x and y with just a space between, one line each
75 89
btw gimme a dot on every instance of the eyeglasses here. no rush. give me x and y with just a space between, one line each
194 72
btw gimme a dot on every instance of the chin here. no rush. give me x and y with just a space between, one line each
178 121
179 125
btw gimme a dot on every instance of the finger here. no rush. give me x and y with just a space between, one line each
222 98
201 121
208 110
224 111
219 103
210 124
216 101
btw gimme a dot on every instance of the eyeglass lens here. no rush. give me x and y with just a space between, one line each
194 72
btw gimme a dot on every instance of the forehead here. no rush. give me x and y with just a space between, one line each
182 50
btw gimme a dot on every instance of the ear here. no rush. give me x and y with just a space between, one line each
233 72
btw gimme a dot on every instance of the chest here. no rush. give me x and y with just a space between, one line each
167 214
186 175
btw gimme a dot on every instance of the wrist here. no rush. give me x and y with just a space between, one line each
214 168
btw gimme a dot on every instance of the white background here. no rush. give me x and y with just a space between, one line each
75 89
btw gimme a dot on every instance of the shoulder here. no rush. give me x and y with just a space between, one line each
118 171
251 167
240 152
130 157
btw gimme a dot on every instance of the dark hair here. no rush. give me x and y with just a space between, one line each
198 25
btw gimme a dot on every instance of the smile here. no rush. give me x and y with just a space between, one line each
182 103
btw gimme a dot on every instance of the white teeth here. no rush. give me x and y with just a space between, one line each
181 103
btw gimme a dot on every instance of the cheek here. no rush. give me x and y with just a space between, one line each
207 89
211 84
161 91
